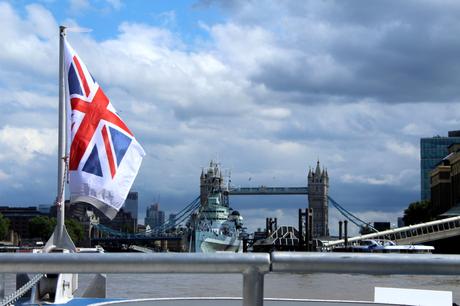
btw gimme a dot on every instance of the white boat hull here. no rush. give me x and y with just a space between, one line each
208 242
213 245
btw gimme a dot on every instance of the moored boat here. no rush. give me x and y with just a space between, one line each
384 246
215 227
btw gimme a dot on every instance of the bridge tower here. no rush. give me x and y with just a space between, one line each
212 181
318 189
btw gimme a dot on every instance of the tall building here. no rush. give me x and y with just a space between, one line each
154 217
318 188
132 205
432 151
171 220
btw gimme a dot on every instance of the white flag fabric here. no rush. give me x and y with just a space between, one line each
104 155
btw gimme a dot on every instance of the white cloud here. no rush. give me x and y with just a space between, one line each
398 179
3 176
116 4
417 130
245 47
79 5
275 113
406 149
22 144
168 18
269 96
382 180
20 37
27 99
254 219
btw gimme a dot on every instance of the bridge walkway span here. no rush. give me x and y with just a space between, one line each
264 190
412 234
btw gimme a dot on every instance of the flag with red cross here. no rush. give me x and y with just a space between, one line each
104 156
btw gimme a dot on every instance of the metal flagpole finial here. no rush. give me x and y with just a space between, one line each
62 30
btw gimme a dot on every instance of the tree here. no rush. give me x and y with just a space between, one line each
4 226
418 212
41 227
76 230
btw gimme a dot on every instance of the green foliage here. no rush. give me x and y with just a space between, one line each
418 212
41 227
4 226
76 230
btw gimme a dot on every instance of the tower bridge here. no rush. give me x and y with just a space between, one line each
212 181
317 189
316 192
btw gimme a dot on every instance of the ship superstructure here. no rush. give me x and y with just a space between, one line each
216 226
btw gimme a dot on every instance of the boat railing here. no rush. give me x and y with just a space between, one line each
252 266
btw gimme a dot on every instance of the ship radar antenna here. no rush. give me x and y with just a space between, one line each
229 182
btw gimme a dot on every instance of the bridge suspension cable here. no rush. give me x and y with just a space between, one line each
181 216
351 217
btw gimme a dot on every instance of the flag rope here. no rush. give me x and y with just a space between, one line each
65 179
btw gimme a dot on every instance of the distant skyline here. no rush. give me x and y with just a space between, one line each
267 87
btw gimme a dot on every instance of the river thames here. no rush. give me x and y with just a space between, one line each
311 286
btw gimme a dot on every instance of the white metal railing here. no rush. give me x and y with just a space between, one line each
418 233
253 267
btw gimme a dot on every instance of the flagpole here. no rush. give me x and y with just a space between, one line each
60 238
60 200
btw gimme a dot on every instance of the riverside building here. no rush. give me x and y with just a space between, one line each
432 151
132 206
445 184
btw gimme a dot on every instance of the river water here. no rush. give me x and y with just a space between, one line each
312 286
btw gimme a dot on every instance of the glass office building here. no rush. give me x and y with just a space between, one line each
432 151
132 205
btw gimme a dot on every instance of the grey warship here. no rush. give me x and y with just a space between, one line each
216 226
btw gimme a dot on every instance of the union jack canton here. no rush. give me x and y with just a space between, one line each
104 155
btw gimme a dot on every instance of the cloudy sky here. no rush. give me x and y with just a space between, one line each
265 87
